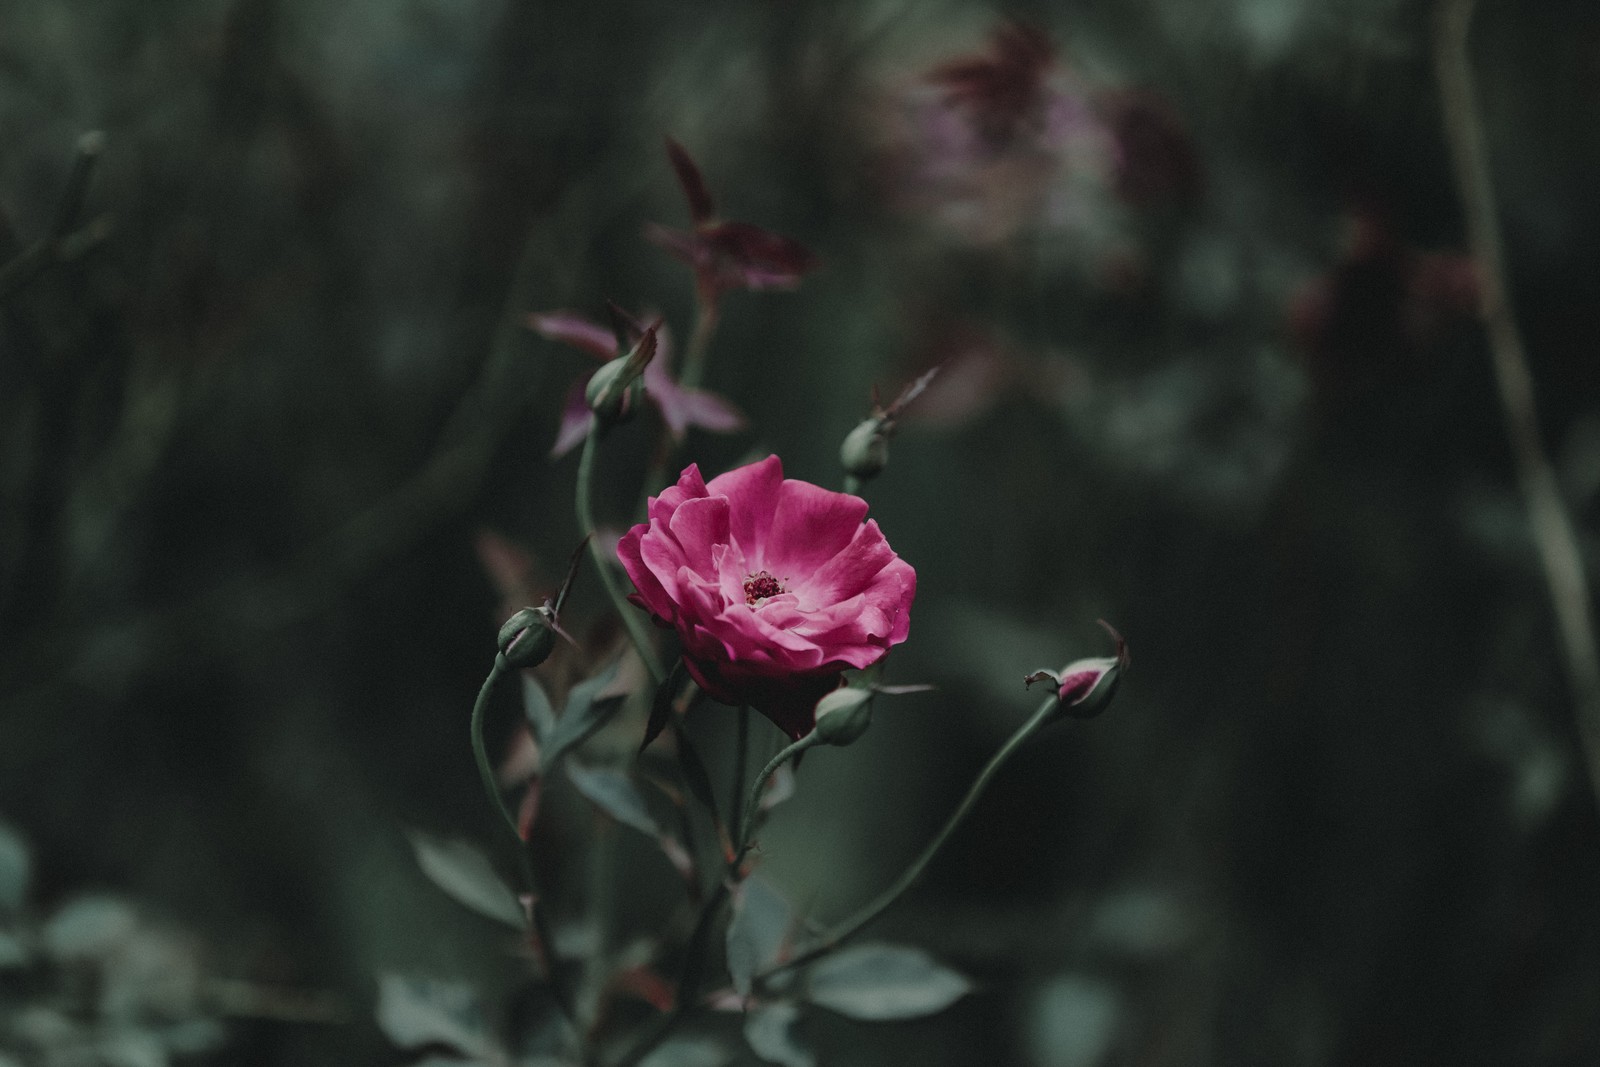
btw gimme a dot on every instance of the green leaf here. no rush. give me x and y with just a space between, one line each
15 867
466 875
661 706
694 771
756 930
586 712
413 1012
615 794
89 928
877 982
770 1032
688 1052
536 707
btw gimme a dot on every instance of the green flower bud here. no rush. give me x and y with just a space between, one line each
844 715
528 637
865 451
613 390
1084 688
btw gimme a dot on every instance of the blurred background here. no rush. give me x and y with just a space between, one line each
274 459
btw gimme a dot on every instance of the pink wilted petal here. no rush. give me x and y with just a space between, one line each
709 411
693 182
571 328
757 259
575 419
774 586
682 244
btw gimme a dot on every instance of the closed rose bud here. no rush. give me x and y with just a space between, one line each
843 716
612 393
865 451
528 637
1085 687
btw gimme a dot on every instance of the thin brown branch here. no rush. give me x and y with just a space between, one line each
1554 538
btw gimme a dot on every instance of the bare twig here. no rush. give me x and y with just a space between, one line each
1552 530
66 240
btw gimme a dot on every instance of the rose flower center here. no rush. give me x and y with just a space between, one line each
759 586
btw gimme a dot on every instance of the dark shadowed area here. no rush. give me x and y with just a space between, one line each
275 464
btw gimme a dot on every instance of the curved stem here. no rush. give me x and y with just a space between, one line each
1553 535
753 805
491 786
480 752
630 615
851 926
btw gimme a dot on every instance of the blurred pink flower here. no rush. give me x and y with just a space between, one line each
680 407
727 255
1380 312
775 586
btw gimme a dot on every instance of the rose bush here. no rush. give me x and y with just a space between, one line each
775 586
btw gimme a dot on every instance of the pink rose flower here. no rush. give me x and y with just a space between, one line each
774 586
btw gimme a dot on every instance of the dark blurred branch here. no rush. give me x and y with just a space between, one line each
64 242
226 618
1553 534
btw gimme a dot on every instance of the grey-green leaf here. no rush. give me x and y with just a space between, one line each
615 794
688 1051
759 923
586 712
15 869
537 709
467 876
770 1032
878 982
413 1012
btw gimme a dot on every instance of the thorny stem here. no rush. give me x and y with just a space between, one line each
1553 535
629 614
853 925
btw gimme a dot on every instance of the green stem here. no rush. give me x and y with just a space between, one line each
486 770
694 357
852 485
630 615
736 792
851 926
753 805
694 366
491 786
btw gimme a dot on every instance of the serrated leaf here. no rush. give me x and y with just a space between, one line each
756 930
413 1012
467 877
15 869
537 709
769 1030
586 712
878 982
615 794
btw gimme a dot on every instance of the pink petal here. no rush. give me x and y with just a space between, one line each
575 419
709 411
701 207
689 486
651 592
699 526
752 491
571 328
810 526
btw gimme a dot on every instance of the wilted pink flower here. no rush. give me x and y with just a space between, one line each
680 407
727 255
774 586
